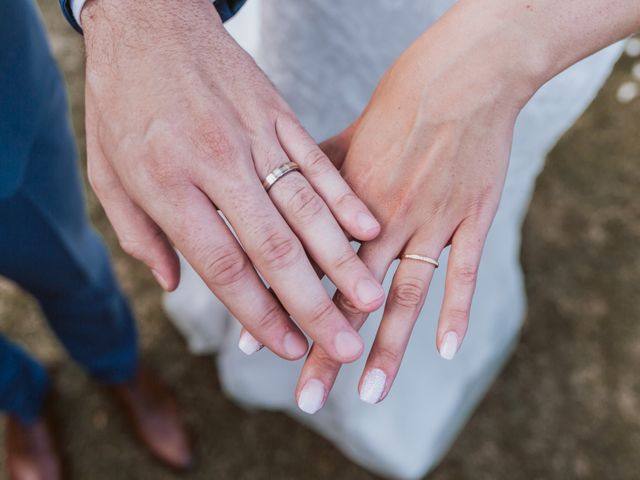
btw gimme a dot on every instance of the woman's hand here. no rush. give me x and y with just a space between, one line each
181 122
430 153
429 156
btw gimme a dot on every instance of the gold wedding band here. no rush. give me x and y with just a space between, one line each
279 172
420 258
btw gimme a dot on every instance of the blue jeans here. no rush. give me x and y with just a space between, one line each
47 245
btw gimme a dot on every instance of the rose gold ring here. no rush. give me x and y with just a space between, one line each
420 258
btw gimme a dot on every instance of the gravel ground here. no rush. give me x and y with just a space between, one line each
566 406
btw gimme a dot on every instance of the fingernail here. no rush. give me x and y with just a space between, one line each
160 279
294 346
311 397
248 344
368 291
449 346
348 345
367 223
373 386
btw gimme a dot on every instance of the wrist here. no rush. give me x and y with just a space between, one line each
149 21
482 45
120 34
528 43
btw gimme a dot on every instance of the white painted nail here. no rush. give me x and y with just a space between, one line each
449 346
373 386
248 344
312 396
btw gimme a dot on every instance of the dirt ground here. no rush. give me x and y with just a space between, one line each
566 406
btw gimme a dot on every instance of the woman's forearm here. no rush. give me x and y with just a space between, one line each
567 31
521 44
430 153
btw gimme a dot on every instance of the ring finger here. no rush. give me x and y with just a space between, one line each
325 242
406 298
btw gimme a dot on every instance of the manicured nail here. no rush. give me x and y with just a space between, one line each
248 344
373 386
367 223
449 346
368 291
160 279
312 396
294 345
348 345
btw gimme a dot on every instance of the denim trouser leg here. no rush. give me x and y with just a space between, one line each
23 382
48 247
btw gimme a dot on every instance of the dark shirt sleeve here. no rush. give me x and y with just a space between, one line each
226 10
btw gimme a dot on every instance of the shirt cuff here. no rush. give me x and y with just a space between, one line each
72 9
65 5
76 8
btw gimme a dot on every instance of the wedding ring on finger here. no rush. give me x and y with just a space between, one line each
277 173
420 258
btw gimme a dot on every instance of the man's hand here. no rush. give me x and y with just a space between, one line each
182 123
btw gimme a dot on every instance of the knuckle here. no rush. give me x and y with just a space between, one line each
220 144
161 173
322 361
346 260
440 205
225 265
483 200
457 316
279 251
465 274
215 141
157 155
271 156
220 155
346 306
316 161
305 203
387 356
321 313
347 199
271 319
408 293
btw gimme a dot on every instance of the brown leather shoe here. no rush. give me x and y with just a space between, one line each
153 412
32 450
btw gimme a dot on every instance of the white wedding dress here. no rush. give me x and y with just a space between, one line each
326 58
